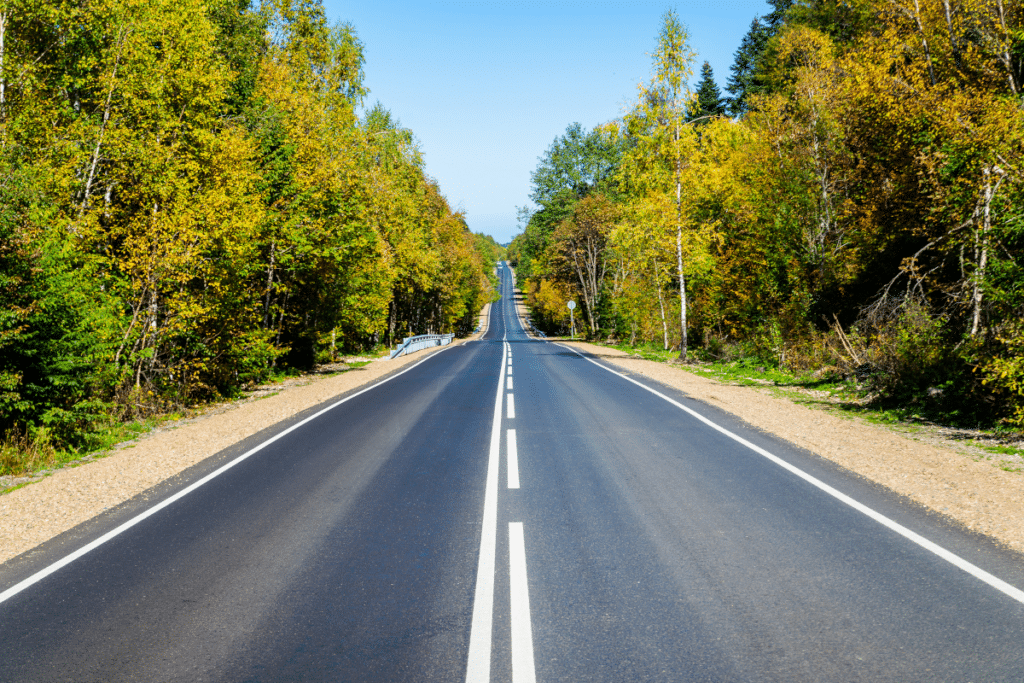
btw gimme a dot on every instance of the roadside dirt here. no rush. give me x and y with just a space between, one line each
936 471
60 500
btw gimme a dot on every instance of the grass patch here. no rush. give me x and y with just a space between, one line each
843 396
998 449
24 453
749 371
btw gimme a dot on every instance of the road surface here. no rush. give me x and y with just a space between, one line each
509 510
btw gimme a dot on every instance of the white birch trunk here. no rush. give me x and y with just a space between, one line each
981 247
4 18
661 305
94 161
924 41
1005 57
679 250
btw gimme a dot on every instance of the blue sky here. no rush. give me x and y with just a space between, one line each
487 86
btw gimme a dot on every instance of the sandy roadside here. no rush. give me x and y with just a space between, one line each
42 510
975 493
980 496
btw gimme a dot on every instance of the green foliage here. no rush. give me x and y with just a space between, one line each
861 220
752 61
577 163
489 249
709 101
189 206
742 79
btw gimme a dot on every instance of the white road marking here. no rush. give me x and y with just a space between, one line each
478 664
508 382
946 555
510 367
511 407
68 559
522 633
513 459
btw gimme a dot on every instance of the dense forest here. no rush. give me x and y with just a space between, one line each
852 205
192 198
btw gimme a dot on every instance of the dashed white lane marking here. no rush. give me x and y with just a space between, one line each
511 407
478 664
508 383
522 632
513 459
953 559
510 367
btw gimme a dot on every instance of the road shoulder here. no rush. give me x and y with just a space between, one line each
975 494
72 495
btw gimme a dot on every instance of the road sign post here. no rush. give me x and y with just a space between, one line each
572 318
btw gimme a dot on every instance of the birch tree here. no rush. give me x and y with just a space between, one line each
655 169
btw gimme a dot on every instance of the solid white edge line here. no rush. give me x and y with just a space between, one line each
523 669
68 559
511 407
512 455
912 536
478 660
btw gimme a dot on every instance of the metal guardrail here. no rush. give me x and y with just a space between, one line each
423 341
534 328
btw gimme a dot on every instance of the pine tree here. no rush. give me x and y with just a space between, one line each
777 16
709 100
745 80
741 83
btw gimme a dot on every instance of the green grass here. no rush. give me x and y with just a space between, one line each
26 456
829 391
998 449
748 371
21 456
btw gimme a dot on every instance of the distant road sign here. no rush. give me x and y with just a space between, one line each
571 305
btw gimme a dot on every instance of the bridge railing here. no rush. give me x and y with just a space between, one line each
422 341
529 324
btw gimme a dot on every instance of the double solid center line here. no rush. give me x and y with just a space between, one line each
478 666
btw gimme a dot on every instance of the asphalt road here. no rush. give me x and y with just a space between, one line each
510 510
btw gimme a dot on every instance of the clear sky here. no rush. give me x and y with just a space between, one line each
486 86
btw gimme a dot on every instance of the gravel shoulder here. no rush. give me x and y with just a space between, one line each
69 496
941 476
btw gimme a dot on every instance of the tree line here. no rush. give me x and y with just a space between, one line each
190 200
853 205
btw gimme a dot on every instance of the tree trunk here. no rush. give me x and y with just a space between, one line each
270 286
94 160
679 251
1005 56
981 246
4 18
661 305
682 293
924 41
392 313
952 39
